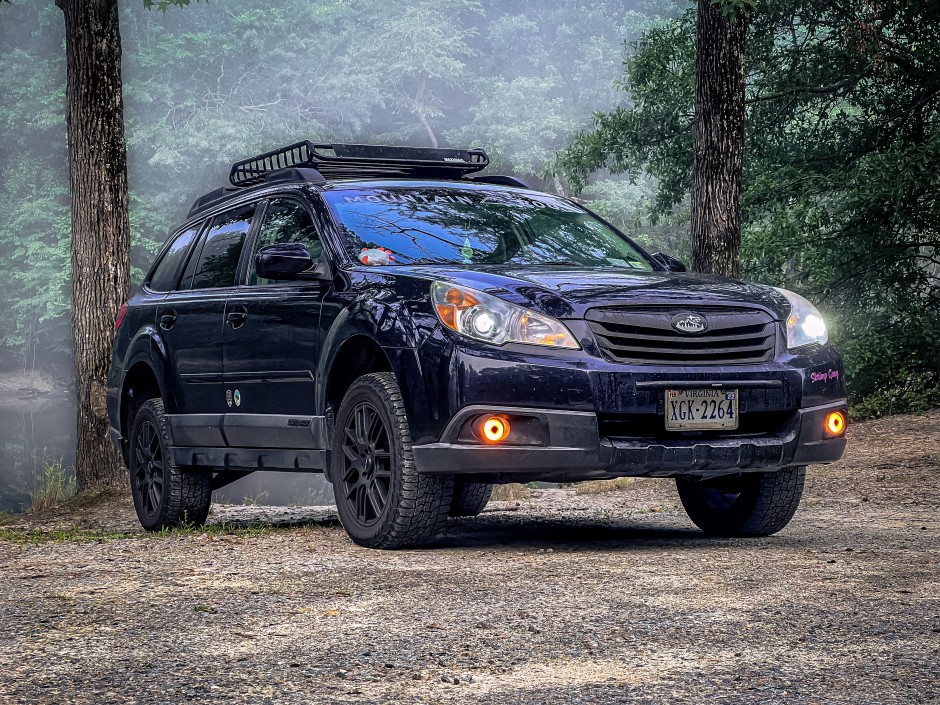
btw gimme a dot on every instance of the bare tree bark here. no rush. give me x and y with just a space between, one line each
100 226
719 139
419 110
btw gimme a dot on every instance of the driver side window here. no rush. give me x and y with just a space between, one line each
285 220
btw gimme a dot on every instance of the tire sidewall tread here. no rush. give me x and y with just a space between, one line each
767 503
187 494
418 504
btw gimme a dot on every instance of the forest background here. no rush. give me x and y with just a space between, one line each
590 99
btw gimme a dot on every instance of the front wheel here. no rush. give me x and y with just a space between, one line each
749 504
382 500
165 495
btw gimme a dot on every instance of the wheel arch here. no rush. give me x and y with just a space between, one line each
140 383
357 355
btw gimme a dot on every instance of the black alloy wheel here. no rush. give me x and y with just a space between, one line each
165 495
149 471
381 498
367 463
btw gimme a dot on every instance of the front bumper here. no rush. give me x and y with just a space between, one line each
576 450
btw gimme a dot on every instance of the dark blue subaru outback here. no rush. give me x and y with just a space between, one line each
419 332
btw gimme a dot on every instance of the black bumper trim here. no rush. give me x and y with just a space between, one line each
586 455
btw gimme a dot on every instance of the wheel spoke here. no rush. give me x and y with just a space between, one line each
379 495
361 503
382 471
154 443
351 476
375 502
381 450
375 426
361 424
154 497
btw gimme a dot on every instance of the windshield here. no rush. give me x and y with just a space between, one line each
475 226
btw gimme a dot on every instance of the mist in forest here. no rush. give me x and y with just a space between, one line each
215 82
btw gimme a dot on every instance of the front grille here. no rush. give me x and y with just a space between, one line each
645 336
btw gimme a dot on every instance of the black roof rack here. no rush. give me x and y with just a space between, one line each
344 161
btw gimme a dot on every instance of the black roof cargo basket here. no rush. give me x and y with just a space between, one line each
346 161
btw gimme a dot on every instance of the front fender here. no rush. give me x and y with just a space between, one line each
398 326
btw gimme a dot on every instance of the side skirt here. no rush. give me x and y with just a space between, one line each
242 459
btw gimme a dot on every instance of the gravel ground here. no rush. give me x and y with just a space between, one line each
608 597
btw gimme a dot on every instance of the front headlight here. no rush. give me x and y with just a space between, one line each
805 325
491 320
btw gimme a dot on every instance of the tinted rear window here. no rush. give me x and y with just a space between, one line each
166 273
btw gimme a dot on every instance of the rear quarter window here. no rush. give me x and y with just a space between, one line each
166 273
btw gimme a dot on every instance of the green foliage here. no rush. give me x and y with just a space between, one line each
223 80
842 171
52 488
731 8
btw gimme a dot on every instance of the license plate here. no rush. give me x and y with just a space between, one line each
701 409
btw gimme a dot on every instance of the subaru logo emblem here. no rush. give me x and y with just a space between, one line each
689 323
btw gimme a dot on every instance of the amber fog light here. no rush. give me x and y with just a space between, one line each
835 423
494 429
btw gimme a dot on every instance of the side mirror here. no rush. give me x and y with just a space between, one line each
287 261
670 263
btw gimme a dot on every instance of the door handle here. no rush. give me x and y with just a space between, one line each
167 320
237 317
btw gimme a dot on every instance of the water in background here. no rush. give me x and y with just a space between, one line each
35 432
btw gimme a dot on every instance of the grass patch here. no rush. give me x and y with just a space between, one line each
223 529
68 535
76 535
53 487
601 486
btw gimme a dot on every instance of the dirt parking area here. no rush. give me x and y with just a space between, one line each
558 597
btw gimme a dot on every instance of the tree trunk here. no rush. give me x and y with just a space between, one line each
100 226
719 140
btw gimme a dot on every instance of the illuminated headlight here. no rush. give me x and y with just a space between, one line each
805 325
492 320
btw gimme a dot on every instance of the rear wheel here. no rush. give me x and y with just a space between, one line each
165 495
749 504
382 500
470 498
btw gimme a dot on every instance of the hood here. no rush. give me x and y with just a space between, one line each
565 292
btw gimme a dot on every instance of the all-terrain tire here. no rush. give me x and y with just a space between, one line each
415 506
470 498
749 504
165 495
